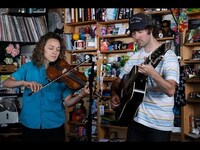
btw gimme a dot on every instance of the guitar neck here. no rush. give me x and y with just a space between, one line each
155 57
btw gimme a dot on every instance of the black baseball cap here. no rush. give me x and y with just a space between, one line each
139 21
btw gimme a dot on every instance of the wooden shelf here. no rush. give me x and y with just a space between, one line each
165 38
158 12
193 80
84 64
109 79
116 127
80 51
117 51
115 36
76 122
191 61
11 132
109 111
194 136
193 100
193 13
192 44
11 94
82 23
114 21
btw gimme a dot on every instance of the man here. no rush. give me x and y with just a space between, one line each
154 118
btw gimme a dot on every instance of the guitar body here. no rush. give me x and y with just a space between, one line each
128 107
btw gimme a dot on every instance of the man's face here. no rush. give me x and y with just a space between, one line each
141 37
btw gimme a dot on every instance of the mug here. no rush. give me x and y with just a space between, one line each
79 44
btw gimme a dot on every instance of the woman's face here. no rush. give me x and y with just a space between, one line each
52 50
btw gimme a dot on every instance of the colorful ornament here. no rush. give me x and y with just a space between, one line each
75 36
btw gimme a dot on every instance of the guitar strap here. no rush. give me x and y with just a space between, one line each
179 97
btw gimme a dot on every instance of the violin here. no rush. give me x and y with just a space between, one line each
71 77
61 71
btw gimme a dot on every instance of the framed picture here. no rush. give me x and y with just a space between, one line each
192 35
39 10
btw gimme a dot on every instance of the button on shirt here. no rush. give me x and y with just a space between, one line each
43 109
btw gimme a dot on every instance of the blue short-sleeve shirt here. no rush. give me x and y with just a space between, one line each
43 109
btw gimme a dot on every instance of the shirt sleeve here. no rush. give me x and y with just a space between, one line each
20 73
171 67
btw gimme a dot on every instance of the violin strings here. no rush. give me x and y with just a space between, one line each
76 79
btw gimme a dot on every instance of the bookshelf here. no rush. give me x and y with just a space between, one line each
75 25
18 27
190 46
104 129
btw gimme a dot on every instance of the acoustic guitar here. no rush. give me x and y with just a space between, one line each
134 88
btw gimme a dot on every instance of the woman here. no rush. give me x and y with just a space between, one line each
42 114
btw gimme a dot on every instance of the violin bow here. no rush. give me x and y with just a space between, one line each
47 84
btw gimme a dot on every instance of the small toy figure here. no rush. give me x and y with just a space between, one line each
104 44
166 30
103 31
87 30
82 33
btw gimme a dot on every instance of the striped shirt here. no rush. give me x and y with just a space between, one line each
156 110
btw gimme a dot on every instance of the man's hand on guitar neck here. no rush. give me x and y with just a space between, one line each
115 101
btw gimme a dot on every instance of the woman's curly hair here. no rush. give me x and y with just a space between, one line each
38 52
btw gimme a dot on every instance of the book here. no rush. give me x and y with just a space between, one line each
193 23
192 35
111 13
18 29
